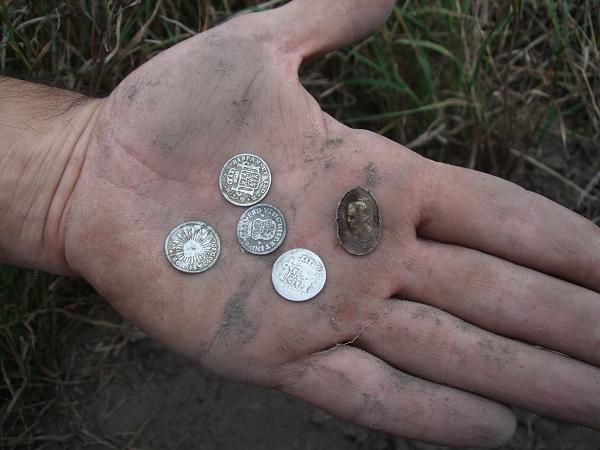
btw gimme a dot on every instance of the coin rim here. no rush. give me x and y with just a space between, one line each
284 228
295 250
221 182
181 225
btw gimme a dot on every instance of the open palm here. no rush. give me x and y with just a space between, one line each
428 336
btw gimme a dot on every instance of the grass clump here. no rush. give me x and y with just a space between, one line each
27 354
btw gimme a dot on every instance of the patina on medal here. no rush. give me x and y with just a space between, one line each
358 222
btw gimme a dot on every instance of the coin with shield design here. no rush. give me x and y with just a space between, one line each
298 275
261 229
193 247
245 179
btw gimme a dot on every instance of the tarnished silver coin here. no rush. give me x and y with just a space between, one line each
298 275
245 179
193 247
261 229
358 222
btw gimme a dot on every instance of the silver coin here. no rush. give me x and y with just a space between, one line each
298 275
261 229
245 179
193 247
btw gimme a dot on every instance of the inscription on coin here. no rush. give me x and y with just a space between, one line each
192 247
358 222
261 229
245 179
298 275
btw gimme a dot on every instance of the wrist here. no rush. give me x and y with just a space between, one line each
44 136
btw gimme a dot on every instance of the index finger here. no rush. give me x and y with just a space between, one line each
495 216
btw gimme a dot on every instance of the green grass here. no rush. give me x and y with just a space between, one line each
512 89
480 77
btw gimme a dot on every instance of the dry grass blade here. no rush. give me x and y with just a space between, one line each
583 193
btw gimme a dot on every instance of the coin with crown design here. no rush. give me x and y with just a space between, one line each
245 179
261 229
298 275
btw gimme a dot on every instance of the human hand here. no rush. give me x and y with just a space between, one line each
468 269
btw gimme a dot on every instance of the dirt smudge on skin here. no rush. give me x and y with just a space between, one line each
133 90
310 147
241 110
338 314
310 180
501 355
243 105
428 313
462 325
224 68
401 380
332 143
329 314
239 324
168 144
372 177
325 149
374 406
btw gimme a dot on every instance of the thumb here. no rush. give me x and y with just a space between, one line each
310 27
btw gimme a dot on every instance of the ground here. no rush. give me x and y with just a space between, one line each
122 390
510 88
